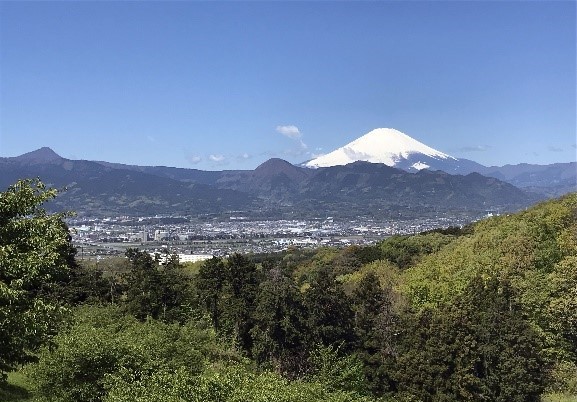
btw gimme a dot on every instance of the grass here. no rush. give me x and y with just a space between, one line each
559 398
17 389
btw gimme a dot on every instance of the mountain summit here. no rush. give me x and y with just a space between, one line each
42 155
384 145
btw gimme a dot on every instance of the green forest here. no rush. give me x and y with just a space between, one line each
485 312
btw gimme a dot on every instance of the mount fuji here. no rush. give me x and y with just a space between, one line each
396 149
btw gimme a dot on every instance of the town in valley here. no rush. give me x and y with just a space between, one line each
199 238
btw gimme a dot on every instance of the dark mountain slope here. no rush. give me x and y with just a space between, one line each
42 155
385 185
181 174
274 189
552 180
135 193
274 180
93 188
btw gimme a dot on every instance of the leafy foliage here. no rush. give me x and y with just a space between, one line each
479 348
229 384
280 331
534 250
330 316
337 370
405 251
104 342
35 250
154 290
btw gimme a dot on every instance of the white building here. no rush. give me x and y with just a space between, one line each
193 257
160 235
182 258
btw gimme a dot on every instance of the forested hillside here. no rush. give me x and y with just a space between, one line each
487 312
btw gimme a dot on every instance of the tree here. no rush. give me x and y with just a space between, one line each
103 345
35 250
84 284
229 292
479 348
279 333
210 281
374 328
243 281
154 290
330 317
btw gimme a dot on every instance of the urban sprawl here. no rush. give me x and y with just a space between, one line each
194 240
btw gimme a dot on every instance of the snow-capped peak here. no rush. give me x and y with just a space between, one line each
382 145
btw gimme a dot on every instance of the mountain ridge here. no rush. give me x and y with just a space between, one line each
550 180
274 189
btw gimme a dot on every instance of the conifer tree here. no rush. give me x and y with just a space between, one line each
374 328
242 284
280 324
155 290
330 317
210 282
479 348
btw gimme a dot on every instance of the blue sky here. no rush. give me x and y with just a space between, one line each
228 85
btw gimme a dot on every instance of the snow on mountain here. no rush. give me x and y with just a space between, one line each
420 166
383 145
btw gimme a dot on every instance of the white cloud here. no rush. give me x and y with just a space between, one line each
244 156
293 133
289 131
217 158
193 159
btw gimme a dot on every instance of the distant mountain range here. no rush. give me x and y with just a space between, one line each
93 188
275 189
396 149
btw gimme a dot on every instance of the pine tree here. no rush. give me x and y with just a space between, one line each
155 290
210 282
280 333
330 317
242 286
481 347
374 328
